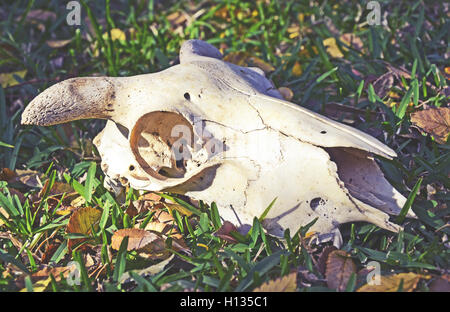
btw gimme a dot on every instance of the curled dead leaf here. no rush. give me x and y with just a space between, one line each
287 283
434 121
322 261
340 267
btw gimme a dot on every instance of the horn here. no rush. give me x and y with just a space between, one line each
73 99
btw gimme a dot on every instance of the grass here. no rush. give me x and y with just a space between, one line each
290 36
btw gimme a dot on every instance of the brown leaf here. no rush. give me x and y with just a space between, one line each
58 188
246 59
434 121
286 93
41 15
322 261
48 252
287 283
131 211
176 18
224 232
137 239
352 40
340 267
441 284
82 221
7 175
151 197
30 178
391 283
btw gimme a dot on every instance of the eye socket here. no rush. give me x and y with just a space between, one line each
131 168
187 96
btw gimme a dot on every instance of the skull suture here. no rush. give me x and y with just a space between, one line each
219 132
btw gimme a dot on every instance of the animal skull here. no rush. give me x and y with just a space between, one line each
219 132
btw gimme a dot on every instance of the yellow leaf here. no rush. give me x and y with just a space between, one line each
178 208
332 48
297 69
435 121
287 283
116 34
391 283
8 80
39 286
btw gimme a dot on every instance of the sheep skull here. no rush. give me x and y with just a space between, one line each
219 132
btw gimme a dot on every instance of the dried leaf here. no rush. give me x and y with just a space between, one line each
224 232
137 239
58 188
30 178
434 121
8 79
151 197
441 284
297 69
391 283
383 84
82 221
286 93
246 59
116 34
340 267
332 48
352 40
178 208
55 44
48 252
7 175
322 262
287 283
40 15
176 18
41 279
131 211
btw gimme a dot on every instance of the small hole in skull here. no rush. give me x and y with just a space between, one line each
315 202
131 168
187 96
323 132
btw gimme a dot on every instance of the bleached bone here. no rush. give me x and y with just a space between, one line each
219 132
